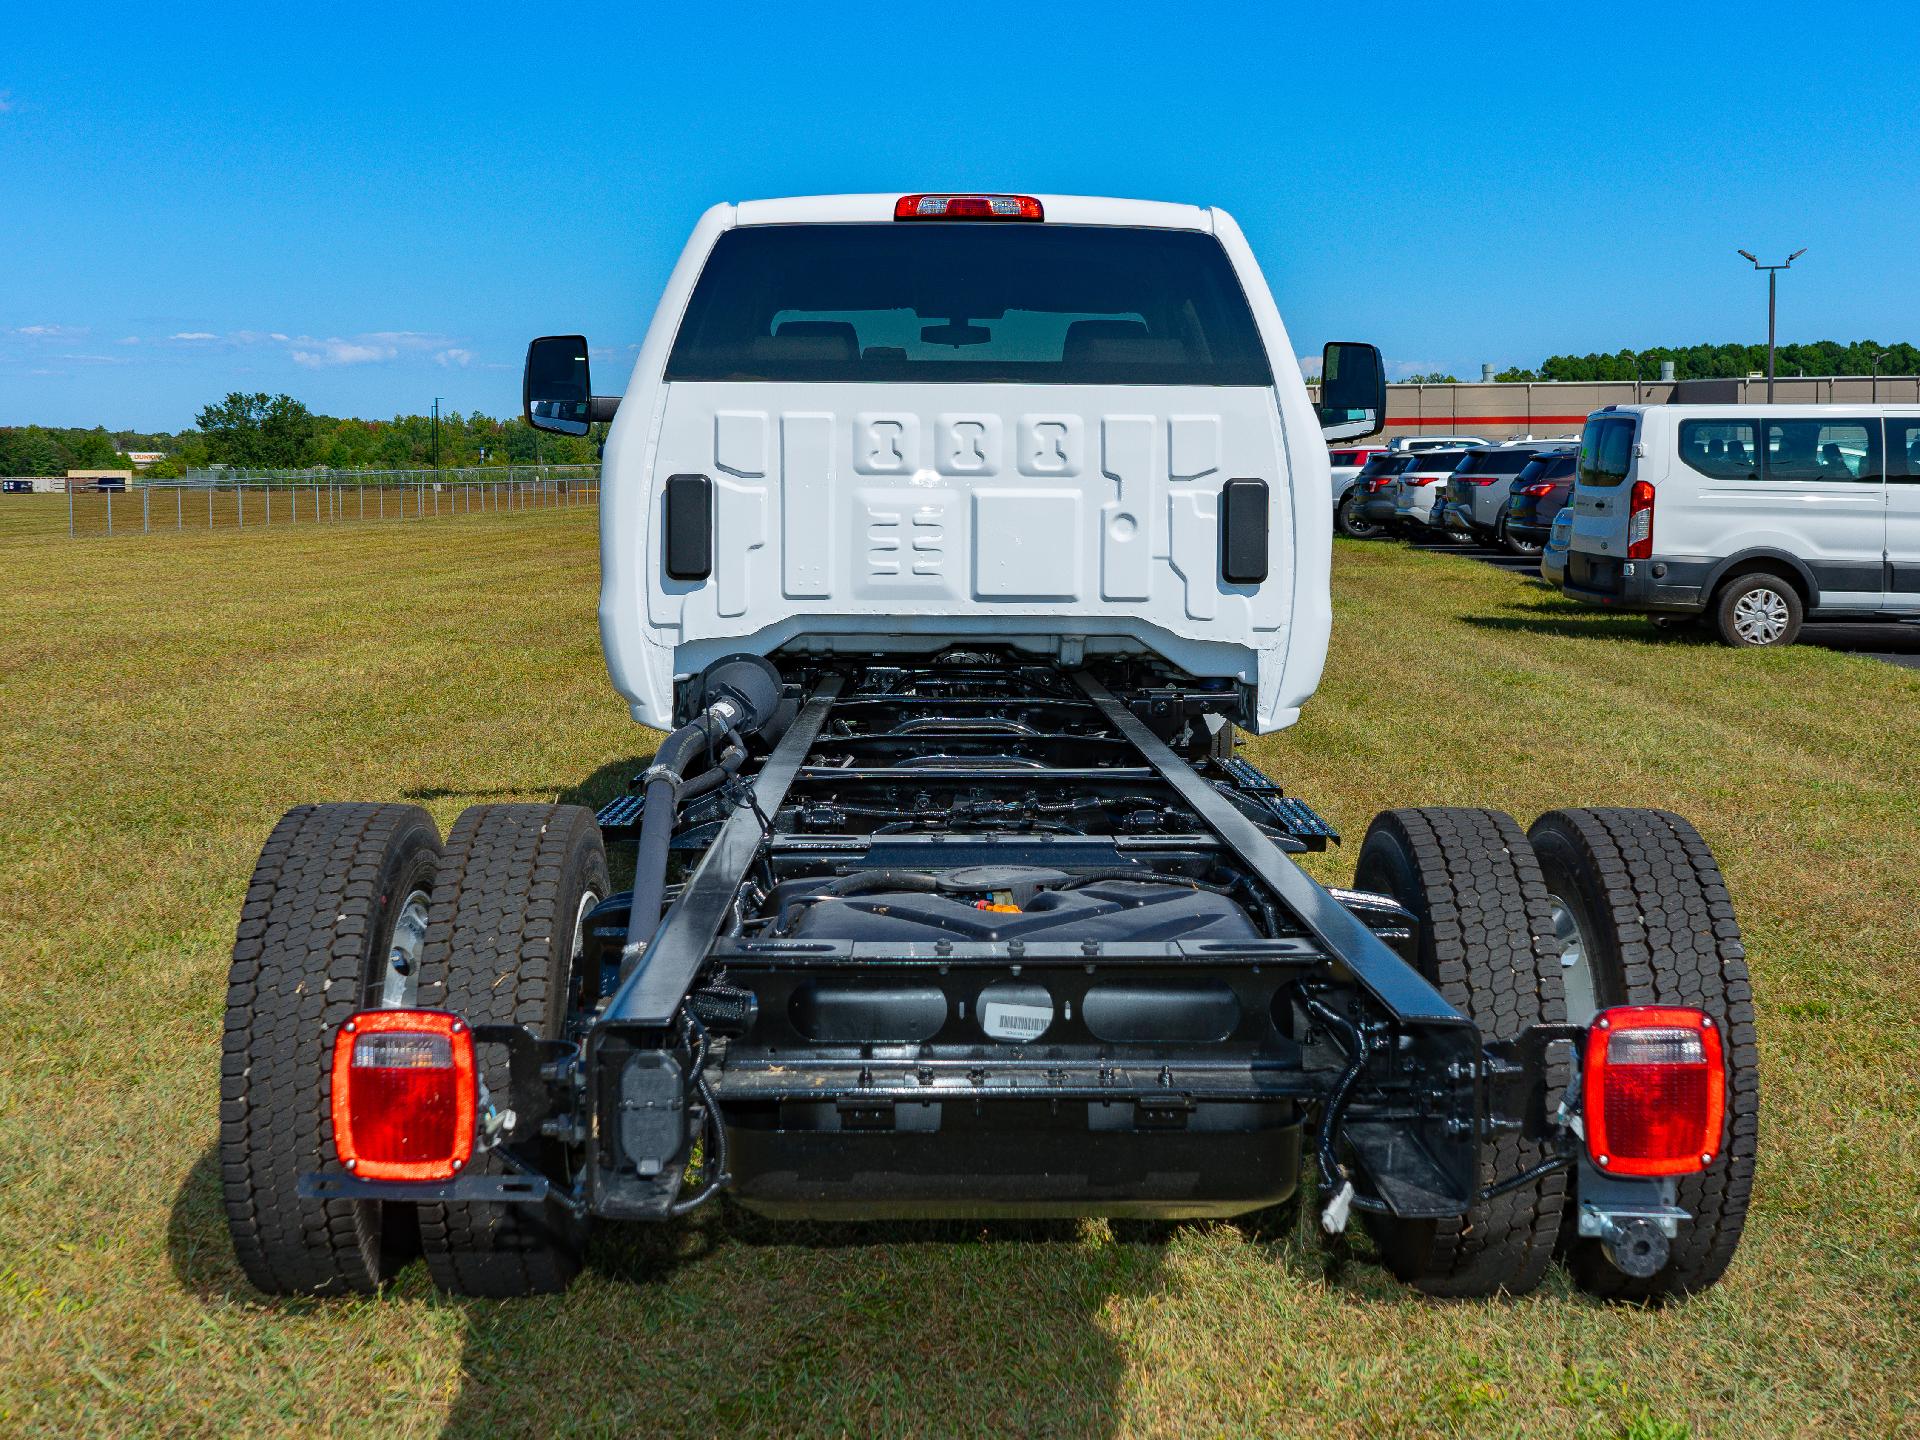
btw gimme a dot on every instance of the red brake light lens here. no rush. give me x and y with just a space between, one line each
967 207
1536 490
1640 521
1655 1090
404 1094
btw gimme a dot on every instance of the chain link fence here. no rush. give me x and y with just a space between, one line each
260 500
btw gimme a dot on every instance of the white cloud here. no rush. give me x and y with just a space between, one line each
51 332
454 356
98 359
335 351
194 335
128 340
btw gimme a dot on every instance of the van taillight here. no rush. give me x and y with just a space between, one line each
967 207
1536 490
1655 1090
404 1094
1640 521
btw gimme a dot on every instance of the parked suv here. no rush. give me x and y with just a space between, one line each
1366 510
1422 485
1535 496
1416 443
1477 490
1755 516
1345 464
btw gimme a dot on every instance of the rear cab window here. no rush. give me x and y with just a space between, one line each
1034 304
1606 451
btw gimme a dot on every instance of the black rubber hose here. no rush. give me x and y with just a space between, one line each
665 786
1335 1109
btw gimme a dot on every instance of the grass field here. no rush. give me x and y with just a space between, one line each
165 698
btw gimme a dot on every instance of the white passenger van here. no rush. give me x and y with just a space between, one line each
1755 516
886 424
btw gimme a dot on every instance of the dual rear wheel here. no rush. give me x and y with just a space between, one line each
356 907
1588 909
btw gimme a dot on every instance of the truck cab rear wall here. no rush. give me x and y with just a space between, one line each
883 514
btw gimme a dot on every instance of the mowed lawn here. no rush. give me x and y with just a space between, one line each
164 698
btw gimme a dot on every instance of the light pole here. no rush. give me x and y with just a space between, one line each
1773 274
436 434
1875 362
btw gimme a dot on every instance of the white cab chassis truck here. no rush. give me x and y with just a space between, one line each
950 537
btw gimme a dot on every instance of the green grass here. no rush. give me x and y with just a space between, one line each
166 697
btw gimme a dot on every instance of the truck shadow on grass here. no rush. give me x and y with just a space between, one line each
728 1322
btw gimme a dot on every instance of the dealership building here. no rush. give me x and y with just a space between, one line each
1502 410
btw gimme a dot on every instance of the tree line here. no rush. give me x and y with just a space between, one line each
260 431
1709 362
1727 362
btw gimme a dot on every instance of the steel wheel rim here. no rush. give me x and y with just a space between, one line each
1760 617
400 981
1576 961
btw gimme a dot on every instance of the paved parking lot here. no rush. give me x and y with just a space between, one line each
1897 644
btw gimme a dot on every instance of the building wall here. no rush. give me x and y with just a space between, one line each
1506 410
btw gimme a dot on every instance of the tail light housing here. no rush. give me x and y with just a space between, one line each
1655 1090
1426 479
404 1094
967 207
1640 521
1536 490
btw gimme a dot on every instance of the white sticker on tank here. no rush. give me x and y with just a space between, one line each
1015 1022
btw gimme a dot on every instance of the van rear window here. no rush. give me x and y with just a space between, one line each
1050 304
1606 451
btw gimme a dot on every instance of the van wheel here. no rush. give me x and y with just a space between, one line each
1644 919
502 947
1757 610
1485 928
1350 520
331 924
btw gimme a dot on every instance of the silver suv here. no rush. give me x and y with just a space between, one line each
1477 490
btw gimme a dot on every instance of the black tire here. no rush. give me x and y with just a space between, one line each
310 950
500 950
1351 521
1659 930
1514 544
1758 610
1473 881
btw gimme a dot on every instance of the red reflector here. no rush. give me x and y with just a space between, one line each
967 207
1655 1090
404 1096
1536 490
1640 521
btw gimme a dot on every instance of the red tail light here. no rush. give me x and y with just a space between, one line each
404 1097
1655 1090
1481 479
967 207
1640 521
1426 479
1536 490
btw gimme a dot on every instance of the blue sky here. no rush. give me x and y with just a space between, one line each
368 207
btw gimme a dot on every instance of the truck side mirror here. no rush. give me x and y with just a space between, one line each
557 391
1353 390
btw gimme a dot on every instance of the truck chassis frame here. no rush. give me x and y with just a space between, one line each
852 1079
